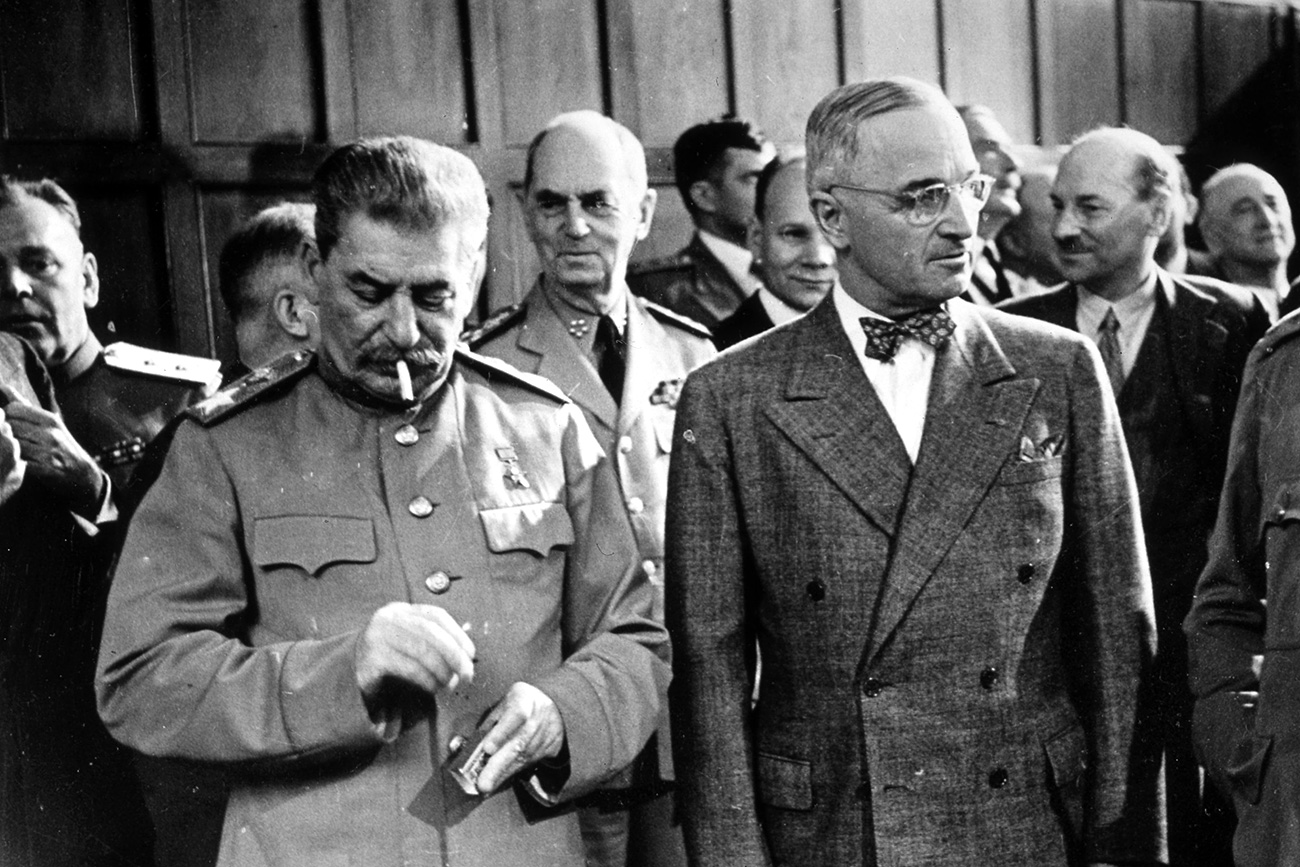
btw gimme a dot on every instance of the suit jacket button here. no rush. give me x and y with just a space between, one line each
872 687
438 582
863 792
998 778
624 444
420 507
816 590
989 677
407 435
1025 573
635 505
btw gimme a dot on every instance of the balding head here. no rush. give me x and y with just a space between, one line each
1245 218
589 128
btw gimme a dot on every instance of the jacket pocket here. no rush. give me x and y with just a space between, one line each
1018 472
534 527
312 542
784 783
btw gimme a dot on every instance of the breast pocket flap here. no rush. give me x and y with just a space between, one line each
312 542
536 527
784 783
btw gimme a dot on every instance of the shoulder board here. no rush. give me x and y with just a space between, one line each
1285 330
499 371
674 262
669 317
499 321
245 391
191 369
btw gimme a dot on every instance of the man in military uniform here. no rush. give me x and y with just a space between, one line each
354 564
622 359
79 802
716 166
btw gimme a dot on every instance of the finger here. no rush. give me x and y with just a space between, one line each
24 411
506 744
458 632
8 395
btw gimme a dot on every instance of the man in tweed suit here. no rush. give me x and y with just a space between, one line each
923 512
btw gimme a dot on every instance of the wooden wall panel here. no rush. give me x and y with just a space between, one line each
909 46
550 61
252 70
989 54
787 58
69 69
1078 59
1237 43
409 74
121 226
1162 66
669 66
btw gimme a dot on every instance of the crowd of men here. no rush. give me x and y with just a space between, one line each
885 523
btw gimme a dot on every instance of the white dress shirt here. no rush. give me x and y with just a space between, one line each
1134 313
734 258
777 310
902 383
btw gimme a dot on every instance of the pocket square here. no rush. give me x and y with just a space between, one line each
1048 448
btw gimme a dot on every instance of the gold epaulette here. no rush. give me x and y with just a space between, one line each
493 325
670 317
672 262
248 388
191 369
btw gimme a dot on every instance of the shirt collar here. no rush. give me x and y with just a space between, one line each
777 309
850 311
1092 308
735 258
79 361
568 311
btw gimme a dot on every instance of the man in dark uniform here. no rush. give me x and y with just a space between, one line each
797 262
356 562
1174 349
78 801
716 166
620 358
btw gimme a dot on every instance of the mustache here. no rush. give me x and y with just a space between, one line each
1070 245
420 356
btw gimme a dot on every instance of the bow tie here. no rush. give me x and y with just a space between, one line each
933 326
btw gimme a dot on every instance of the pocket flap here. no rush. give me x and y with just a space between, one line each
312 541
784 783
536 527
1067 753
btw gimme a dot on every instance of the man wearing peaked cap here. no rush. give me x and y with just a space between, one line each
388 587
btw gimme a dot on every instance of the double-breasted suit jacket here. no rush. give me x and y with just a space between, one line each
953 654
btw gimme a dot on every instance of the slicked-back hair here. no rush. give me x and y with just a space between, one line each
407 182
12 190
700 153
832 131
775 166
277 232
633 152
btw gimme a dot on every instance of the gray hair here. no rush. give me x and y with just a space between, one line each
633 152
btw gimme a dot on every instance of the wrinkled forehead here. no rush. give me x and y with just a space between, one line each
1097 168
1254 186
914 146
587 158
28 221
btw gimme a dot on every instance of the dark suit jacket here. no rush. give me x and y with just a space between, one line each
693 283
952 654
749 319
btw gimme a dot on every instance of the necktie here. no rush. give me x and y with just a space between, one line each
933 326
1111 356
609 351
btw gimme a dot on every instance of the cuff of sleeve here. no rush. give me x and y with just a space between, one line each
104 513
586 733
320 702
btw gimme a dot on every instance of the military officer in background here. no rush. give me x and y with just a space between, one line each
78 801
352 567
716 166
620 358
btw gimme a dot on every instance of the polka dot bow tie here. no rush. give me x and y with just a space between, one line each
933 326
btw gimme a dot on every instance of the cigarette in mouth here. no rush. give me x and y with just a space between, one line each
404 381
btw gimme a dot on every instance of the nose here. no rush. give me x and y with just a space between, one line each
401 325
14 282
575 222
1064 225
818 253
960 217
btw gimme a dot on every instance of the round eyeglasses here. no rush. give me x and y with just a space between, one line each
922 207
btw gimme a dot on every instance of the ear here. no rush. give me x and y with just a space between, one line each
829 214
704 195
292 311
90 276
754 239
647 209
1162 212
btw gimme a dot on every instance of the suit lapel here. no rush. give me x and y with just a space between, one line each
831 413
1060 307
559 359
1197 341
974 417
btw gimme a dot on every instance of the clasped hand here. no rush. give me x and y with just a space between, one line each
423 647
55 460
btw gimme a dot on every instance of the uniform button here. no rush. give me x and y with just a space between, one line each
816 590
635 506
863 792
997 778
407 435
420 507
1025 573
872 687
650 568
625 444
438 582
989 677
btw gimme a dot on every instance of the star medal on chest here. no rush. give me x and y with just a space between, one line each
514 473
